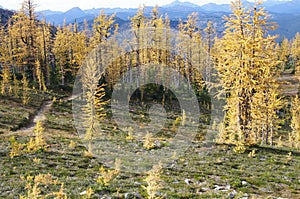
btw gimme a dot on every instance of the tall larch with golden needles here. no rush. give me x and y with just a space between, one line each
247 65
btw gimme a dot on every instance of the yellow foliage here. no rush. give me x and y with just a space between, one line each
295 124
247 65
25 92
279 142
16 148
183 121
88 154
154 182
129 136
89 193
72 144
106 175
149 141
239 148
289 157
36 160
175 123
39 141
35 184
33 145
252 154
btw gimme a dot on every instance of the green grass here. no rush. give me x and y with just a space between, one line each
214 171
14 115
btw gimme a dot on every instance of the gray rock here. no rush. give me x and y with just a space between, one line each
205 189
188 181
132 195
232 194
244 183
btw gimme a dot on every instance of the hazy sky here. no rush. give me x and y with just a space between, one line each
63 5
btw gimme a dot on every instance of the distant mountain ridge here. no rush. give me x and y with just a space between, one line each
176 9
285 12
178 3
5 15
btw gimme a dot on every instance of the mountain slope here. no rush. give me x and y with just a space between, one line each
213 7
5 15
287 7
177 3
69 16
285 13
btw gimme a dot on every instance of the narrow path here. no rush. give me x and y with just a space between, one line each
40 116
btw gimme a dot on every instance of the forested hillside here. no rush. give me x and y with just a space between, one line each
99 110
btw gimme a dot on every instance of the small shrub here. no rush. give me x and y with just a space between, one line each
36 185
87 154
252 154
149 141
16 148
38 143
72 144
130 134
106 175
183 118
154 182
239 148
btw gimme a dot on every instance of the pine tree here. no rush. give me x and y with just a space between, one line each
295 50
40 76
103 27
210 34
62 51
154 181
190 42
247 66
45 45
5 59
25 90
79 48
15 86
138 28
27 29
295 124
94 96
6 80
284 52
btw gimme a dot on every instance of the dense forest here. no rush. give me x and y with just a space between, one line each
256 77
